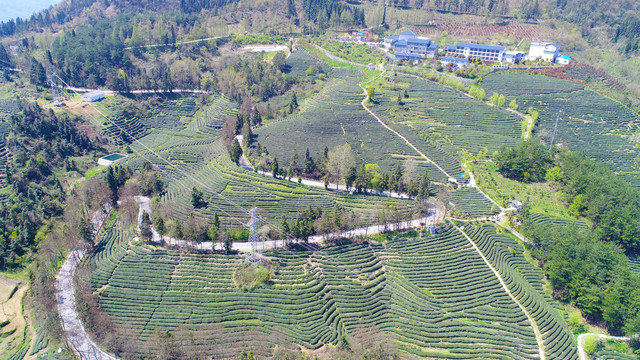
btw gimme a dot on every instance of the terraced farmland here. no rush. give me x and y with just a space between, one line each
5 127
333 117
300 60
550 221
166 116
433 295
589 123
209 163
437 114
468 202
634 263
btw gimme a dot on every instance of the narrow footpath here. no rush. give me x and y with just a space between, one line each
581 338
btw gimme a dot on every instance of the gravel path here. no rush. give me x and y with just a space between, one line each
434 216
72 327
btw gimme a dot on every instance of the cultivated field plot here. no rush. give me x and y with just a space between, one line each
433 295
166 116
8 107
467 202
588 123
551 222
208 162
331 118
435 114
634 263
300 60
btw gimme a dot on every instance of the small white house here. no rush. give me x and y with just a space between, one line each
563 60
371 66
545 50
93 96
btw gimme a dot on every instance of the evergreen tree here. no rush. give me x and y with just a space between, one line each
247 135
291 9
112 183
86 230
236 151
158 225
309 164
275 169
37 74
197 198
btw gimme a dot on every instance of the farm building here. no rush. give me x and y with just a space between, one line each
432 229
371 66
513 57
93 96
484 52
459 62
564 60
409 43
543 50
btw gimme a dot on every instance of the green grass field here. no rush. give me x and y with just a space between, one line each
433 295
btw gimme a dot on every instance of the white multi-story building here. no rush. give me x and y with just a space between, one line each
543 50
473 51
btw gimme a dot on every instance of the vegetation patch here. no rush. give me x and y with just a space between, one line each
250 276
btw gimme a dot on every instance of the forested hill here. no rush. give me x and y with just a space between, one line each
321 12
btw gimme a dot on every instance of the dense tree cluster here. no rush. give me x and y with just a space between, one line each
527 162
195 6
326 13
588 268
593 189
41 142
591 273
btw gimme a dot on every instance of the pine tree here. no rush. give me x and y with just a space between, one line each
275 169
291 9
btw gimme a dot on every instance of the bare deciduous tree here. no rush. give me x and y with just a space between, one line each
340 161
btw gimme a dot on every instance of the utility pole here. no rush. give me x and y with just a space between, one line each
56 99
254 256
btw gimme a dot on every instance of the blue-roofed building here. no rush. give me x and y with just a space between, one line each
432 229
564 60
409 43
459 62
473 51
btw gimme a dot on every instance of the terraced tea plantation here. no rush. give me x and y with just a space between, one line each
208 162
331 118
5 127
433 295
441 121
189 141
166 116
589 123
